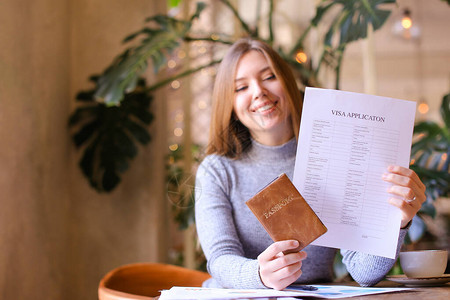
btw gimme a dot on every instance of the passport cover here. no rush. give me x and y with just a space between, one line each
285 214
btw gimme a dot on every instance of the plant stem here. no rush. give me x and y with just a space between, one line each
236 14
321 61
258 17
338 66
208 39
299 43
180 75
270 22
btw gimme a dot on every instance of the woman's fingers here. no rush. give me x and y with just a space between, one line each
404 192
289 279
408 186
282 271
282 261
408 209
278 247
278 270
406 177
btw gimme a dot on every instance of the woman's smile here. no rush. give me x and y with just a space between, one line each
260 103
265 107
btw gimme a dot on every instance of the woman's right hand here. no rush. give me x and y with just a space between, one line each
278 270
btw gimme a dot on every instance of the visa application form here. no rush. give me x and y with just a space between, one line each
346 142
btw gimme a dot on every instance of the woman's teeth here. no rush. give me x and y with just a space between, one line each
265 107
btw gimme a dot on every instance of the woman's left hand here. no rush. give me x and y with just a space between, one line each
407 185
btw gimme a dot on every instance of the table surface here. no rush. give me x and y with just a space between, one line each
423 293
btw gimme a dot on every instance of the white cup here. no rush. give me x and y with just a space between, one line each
425 263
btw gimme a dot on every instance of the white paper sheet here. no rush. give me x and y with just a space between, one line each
346 142
323 291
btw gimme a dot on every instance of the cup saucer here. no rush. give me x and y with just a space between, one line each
417 282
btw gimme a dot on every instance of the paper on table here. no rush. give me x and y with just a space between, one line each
323 291
188 293
346 142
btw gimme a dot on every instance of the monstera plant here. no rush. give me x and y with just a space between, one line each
430 155
107 132
430 159
110 133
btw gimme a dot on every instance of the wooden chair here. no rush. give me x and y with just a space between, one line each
143 281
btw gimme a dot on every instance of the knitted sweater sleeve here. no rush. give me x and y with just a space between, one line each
366 269
216 230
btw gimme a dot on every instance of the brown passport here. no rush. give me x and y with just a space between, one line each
285 214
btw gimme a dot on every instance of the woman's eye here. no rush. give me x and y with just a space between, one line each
241 88
269 77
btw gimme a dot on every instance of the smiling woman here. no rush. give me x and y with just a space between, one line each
259 101
253 139
253 71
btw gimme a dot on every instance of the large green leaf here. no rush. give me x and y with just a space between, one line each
428 133
437 182
86 132
110 134
430 156
351 22
432 137
122 76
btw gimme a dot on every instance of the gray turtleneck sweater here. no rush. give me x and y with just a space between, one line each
231 237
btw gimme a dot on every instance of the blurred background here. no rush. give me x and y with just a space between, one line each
65 221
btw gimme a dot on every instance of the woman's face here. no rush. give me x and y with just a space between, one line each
260 102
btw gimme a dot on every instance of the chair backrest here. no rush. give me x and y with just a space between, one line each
142 281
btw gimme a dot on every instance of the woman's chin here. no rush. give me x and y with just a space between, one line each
272 123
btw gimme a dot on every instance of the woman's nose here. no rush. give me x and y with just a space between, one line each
258 90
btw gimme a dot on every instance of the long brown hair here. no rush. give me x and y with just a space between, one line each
227 135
